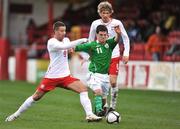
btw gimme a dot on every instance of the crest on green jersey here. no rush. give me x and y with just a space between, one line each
106 45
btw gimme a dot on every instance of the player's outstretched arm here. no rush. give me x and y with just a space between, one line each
65 44
79 41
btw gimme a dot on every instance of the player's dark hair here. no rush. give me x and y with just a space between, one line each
101 28
57 24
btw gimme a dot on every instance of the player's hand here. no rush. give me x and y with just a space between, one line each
125 59
85 40
71 50
117 29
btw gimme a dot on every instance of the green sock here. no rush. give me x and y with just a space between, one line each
98 103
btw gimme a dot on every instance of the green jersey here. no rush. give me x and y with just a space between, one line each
100 55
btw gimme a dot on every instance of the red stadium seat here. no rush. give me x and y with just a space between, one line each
137 51
85 31
148 56
167 58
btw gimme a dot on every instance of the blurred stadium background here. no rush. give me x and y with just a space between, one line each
25 26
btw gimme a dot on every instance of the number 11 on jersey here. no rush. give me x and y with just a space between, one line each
99 50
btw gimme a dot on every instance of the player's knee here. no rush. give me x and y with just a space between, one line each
113 83
36 97
83 89
98 92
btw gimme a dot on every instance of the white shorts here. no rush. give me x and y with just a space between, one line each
99 81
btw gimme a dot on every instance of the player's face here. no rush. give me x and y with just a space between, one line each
105 15
60 33
102 36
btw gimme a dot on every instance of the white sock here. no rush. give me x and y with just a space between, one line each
86 103
114 94
29 101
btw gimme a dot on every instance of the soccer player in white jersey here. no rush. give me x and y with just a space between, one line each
58 74
105 11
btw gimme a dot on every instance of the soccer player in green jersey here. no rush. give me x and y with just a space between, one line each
100 52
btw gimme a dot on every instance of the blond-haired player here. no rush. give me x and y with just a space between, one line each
105 11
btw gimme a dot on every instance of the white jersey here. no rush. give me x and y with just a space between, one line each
58 53
110 26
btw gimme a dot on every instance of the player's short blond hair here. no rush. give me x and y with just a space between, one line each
105 6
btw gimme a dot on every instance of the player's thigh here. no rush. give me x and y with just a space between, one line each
114 66
95 87
94 84
77 86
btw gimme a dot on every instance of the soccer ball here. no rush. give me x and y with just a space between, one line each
113 117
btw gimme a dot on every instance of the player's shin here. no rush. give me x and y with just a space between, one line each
27 103
105 104
86 103
114 95
104 101
98 103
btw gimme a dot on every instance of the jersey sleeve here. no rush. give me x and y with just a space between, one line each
83 47
54 44
111 42
92 32
125 39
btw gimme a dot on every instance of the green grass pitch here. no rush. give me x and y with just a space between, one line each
61 109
